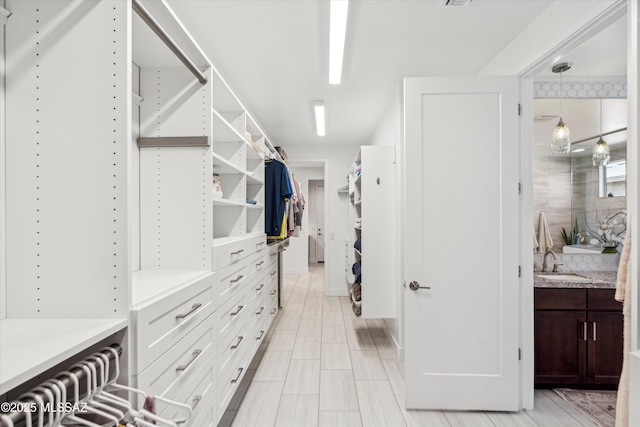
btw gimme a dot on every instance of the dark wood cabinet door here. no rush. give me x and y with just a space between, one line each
605 348
560 347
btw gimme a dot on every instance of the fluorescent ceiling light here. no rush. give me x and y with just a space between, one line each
578 150
337 33
318 108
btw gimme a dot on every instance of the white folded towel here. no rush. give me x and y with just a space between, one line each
545 242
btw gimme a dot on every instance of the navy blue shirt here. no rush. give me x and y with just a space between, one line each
277 188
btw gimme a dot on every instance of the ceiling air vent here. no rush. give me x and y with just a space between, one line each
456 2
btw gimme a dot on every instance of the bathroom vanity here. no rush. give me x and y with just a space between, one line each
578 330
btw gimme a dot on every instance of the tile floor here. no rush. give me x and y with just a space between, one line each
322 366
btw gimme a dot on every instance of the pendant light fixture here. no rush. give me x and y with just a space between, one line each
561 137
601 154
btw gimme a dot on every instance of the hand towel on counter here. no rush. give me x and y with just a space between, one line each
545 242
623 294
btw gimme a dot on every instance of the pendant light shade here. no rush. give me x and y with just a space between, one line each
561 136
601 154
560 139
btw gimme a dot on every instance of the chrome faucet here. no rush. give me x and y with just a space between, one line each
555 261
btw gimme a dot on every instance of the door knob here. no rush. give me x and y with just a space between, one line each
414 286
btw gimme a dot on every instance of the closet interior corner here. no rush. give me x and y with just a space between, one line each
136 204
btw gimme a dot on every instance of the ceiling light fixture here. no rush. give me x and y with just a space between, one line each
561 137
601 149
338 10
318 108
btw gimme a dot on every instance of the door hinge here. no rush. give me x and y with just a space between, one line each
519 109
519 354
519 188
519 271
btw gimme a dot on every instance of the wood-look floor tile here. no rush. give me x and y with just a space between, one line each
298 411
307 348
310 328
260 404
314 313
334 334
288 321
415 418
340 419
303 377
335 356
331 304
293 309
395 373
297 298
353 322
367 365
378 404
360 339
282 340
468 418
273 366
337 391
332 318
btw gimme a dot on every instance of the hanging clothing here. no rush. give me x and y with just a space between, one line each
278 190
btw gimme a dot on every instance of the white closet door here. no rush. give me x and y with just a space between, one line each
462 243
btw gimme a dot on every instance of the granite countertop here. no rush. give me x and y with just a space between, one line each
598 280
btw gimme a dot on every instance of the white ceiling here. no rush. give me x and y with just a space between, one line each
273 53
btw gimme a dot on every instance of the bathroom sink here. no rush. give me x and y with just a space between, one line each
566 277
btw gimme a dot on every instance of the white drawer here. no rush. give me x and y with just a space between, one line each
197 393
228 384
174 369
231 251
229 316
158 326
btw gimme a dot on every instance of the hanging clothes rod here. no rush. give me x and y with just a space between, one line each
19 418
599 135
153 24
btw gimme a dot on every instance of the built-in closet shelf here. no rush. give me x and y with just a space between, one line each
228 203
223 166
252 179
357 202
343 189
32 346
357 179
227 119
254 207
358 252
149 285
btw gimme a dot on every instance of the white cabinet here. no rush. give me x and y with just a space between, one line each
372 221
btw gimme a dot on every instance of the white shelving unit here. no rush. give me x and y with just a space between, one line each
108 240
372 219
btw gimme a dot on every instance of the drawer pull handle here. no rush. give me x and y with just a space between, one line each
594 331
259 264
273 273
194 307
584 331
260 244
195 401
195 355
240 307
237 279
260 336
259 288
274 310
233 347
281 249
238 252
235 380
274 254
259 312
272 293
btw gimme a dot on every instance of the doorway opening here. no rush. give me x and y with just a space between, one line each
316 222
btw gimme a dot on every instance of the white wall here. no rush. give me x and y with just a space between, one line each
3 267
338 160
314 209
296 257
